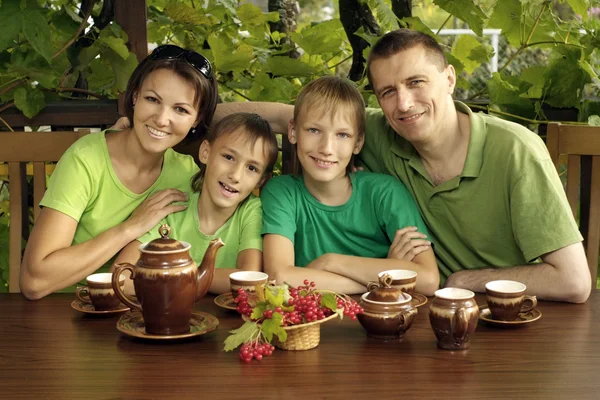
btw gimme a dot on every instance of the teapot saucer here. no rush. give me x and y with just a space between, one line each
132 324
418 299
89 308
523 318
225 300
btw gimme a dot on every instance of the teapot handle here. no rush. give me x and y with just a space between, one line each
117 288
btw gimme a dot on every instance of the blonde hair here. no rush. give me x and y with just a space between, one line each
328 95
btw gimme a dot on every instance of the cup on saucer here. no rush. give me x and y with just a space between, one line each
99 292
403 279
246 280
507 299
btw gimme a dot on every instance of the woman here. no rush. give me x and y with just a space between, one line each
110 188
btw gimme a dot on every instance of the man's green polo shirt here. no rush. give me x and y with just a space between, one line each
508 206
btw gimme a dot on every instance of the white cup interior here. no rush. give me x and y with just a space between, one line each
407 298
250 276
505 286
103 277
399 273
454 294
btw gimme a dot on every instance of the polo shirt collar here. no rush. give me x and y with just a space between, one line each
474 161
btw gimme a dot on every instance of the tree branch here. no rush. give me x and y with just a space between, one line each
14 85
79 30
444 24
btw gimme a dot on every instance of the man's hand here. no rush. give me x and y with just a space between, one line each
408 242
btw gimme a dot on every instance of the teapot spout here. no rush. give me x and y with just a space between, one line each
206 270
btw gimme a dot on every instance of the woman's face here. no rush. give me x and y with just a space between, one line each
164 110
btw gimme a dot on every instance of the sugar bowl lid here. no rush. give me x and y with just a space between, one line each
385 292
164 243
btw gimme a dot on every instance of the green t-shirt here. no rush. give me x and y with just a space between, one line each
364 226
240 232
508 206
85 187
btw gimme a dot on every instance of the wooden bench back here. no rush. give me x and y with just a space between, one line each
17 149
581 145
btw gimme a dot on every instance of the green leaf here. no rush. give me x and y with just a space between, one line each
507 16
594 120
251 15
275 300
258 310
122 68
565 89
534 76
10 21
228 57
383 12
116 44
37 32
285 66
580 7
321 38
471 52
265 88
241 335
273 326
328 300
467 11
29 101
417 24
508 95
181 13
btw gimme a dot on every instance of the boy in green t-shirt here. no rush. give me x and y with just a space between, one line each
237 157
344 227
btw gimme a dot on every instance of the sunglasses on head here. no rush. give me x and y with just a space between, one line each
196 60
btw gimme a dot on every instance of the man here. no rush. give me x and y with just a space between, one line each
486 187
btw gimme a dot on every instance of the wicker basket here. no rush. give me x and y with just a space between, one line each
303 336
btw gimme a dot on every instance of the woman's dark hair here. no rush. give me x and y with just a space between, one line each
205 99
254 128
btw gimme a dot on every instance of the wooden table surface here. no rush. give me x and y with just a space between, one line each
50 351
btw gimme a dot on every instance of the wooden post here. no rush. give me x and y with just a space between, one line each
131 16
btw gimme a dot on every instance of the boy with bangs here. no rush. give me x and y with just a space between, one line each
237 157
342 227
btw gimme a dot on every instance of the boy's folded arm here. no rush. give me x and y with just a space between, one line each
279 265
365 269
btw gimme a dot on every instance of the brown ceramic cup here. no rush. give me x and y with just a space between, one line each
453 315
246 280
403 279
99 292
506 299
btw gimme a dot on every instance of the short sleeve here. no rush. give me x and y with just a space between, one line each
369 157
542 220
279 207
397 208
70 187
250 234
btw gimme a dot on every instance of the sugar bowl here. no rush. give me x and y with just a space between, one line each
388 311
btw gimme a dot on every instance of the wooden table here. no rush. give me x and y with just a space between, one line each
50 351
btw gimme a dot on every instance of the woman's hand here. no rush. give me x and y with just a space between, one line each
153 210
408 242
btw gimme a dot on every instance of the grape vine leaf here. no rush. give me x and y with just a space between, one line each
417 24
328 300
181 13
508 95
467 11
384 13
37 32
251 15
580 7
241 335
275 300
29 101
229 58
285 66
320 38
122 68
10 21
564 90
471 52
507 16
273 326
535 76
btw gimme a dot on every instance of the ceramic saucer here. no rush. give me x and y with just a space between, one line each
225 300
522 319
89 308
132 324
418 299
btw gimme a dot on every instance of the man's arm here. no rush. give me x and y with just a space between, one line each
562 276
277 114
364 269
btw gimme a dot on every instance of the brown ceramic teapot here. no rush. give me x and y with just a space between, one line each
167 282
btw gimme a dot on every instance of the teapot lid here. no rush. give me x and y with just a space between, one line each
385 292
164 243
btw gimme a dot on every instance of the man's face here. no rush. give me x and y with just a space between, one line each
415 96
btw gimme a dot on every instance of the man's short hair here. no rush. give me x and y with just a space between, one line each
404 39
